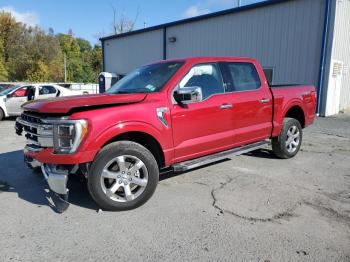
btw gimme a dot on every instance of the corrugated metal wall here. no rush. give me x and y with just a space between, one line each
121 55
341 48
286 36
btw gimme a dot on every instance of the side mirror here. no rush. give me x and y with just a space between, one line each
9 95
188 95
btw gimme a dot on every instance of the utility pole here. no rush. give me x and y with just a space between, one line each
239 3
65 68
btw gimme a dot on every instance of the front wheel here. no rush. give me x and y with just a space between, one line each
288 143
123 176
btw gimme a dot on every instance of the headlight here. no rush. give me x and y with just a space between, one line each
68 135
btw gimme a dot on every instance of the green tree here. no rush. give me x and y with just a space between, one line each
31 54
13 36
38 72
96 59
84 45
71 49
3 71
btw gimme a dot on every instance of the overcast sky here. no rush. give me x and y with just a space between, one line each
91 19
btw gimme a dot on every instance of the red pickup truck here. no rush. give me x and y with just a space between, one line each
177 114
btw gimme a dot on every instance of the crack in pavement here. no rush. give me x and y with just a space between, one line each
330 134
329 212
283 215
288 213
336 150
218 188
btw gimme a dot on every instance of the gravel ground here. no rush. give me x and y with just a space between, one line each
252 208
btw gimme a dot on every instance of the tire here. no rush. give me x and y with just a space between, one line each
115 186
2 115
288 143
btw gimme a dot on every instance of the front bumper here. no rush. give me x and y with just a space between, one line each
57 180
56 177
47 156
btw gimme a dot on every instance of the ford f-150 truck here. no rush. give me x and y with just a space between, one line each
177 114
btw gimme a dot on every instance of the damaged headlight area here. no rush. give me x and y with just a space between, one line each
67 135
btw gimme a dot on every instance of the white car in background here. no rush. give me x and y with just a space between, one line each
11 99
85 89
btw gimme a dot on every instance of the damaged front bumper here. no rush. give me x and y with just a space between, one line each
55 175
57 179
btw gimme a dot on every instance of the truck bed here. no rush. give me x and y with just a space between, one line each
285 96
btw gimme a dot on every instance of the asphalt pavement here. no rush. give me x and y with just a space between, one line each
254 207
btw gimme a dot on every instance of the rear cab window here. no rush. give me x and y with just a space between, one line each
240 76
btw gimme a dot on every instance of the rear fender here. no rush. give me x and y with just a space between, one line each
279 115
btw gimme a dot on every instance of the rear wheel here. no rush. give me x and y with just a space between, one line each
288 143
123 176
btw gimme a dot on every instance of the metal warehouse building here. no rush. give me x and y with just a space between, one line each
296 41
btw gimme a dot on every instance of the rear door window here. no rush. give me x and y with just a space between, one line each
242 77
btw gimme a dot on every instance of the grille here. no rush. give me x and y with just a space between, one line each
37 131
31 119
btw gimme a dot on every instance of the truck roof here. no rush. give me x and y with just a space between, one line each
203 59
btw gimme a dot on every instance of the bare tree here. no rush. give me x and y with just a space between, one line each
99 35
121 23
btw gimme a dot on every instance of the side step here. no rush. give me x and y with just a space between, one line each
190 164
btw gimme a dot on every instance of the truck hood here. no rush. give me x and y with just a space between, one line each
64 105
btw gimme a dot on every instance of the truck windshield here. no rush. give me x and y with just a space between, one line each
146 79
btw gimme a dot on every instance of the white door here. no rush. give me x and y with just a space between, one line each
15 100
46 91
334 87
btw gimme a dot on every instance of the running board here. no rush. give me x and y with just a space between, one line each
190 164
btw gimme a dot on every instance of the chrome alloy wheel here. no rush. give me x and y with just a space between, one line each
292 139
124 178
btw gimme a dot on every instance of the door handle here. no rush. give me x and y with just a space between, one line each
226 106
265 100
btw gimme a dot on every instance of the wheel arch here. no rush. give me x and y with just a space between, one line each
297 113
144 139
143 133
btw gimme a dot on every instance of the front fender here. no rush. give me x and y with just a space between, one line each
125 127
97 142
